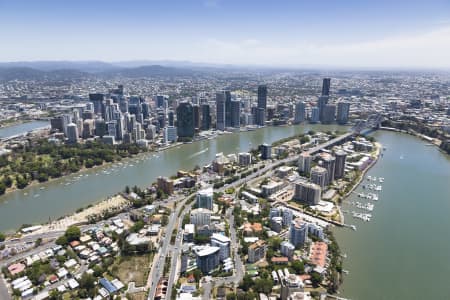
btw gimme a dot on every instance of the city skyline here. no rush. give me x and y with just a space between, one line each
287 34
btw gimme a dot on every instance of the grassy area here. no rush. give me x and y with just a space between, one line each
133 268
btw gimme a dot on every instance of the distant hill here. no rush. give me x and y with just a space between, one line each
25 73
84 66
149 71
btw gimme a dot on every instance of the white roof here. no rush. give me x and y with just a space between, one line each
220 237
207 251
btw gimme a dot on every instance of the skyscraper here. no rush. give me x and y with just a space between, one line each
321 103
185 120
228 108
300 112
206 117
326 86
329 114
343 110
260 117
97 100
72 133
196 109
304 163
315 115
307 192
340 164
235 114
262 97
220 110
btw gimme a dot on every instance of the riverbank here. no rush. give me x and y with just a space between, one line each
117 202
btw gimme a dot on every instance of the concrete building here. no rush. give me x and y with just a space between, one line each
300 112
204 198
315 115
339 169
208 259
266 151
257 251
343 111
319 176
245 158
223 242
304 163
307 192
200 217
170 134
72 133
298 233
329 114
287 249
329 163
185 120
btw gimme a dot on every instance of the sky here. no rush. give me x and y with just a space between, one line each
336 33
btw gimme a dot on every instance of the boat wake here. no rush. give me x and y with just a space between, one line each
198 153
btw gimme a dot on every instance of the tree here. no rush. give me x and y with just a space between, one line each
263 285
247 283
316 279
73 233
2 237
298 267
62 240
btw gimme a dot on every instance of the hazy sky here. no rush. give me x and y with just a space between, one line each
352 33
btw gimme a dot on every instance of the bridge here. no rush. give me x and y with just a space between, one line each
365 126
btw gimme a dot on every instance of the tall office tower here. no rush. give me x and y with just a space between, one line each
72 133
329 163
227 108
220 111
326 87
300 112
171 118
146 110
315 115
329 114
111 128
270 113
162 119
319 176
120 127
107 110
261 117
59 123
307 192
339 169
100 127
97 100
206 117
205 198
185 120
262 97
298 233
88 128
321 103
304 163
159 101
196 110
235 114
123 105
343 110
131 123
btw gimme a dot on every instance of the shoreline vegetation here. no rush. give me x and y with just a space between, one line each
42 161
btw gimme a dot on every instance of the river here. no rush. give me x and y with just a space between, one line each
403 252
38 203
13 130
